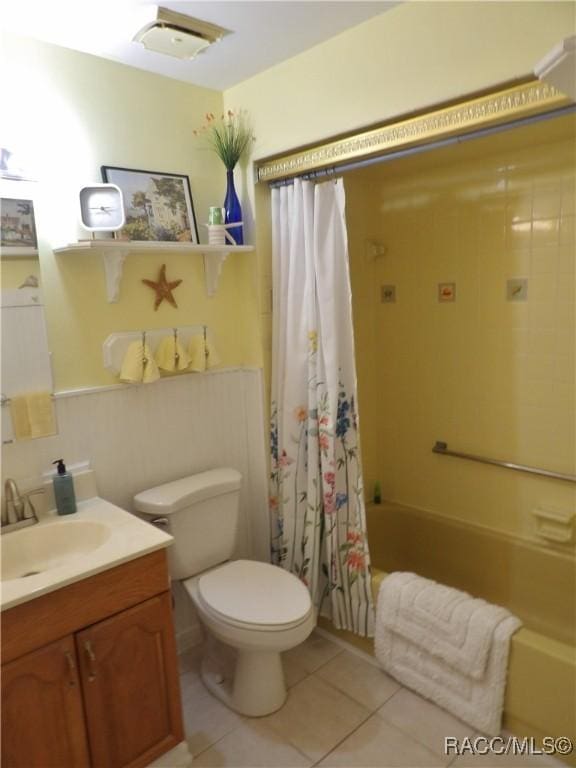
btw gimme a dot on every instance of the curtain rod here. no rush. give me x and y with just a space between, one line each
439 144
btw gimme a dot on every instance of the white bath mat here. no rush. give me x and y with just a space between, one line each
446 645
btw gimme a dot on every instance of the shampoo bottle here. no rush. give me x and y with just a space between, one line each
64 490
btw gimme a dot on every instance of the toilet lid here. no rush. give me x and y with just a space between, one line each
255 593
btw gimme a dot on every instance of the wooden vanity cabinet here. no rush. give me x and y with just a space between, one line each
125 663
42 712
104 695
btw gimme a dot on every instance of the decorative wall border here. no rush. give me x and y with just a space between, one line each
501 106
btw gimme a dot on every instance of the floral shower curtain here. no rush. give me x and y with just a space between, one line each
317 506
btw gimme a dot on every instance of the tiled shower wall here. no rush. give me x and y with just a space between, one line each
487 374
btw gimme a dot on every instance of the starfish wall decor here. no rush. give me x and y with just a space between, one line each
163 288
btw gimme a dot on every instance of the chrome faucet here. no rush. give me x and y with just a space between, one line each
14 503
14 509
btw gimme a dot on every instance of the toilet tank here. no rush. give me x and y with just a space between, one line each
202 514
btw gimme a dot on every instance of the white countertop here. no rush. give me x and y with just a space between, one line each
127 538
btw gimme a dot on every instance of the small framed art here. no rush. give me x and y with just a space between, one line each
18 228
157 205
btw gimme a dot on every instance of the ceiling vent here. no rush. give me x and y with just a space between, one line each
175 34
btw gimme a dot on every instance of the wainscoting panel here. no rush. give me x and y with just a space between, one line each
139 437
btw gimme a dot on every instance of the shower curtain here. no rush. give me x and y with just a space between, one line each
317 505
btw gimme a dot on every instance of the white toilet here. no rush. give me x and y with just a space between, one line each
256 608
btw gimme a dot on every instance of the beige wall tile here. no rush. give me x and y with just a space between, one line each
469 372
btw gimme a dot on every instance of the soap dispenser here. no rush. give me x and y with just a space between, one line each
64 490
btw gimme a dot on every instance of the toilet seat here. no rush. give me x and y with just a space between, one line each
253 595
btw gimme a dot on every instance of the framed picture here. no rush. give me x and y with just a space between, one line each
18 228
157 205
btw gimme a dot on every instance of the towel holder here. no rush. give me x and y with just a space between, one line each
176 355
204 334
116 345
5 399
144 358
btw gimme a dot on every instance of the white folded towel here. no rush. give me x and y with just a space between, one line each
446 645
460 626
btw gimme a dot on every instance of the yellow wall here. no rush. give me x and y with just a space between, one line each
488 376
13 272
72 113
416 55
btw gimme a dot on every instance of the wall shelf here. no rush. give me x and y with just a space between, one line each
114 254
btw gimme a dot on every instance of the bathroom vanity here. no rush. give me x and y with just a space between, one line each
89 666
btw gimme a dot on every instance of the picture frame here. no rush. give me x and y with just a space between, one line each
158 206
17 228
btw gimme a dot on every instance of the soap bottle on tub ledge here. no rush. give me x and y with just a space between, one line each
64 490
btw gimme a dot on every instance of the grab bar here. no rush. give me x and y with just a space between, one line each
442 448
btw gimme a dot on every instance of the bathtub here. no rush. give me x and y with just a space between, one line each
536 583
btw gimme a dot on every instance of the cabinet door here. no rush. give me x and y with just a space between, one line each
130 681
42 717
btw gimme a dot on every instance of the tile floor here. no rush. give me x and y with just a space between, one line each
342 710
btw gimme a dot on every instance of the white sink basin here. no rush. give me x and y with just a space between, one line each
59 551
41 548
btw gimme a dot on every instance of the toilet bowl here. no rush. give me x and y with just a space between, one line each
257 609
260 610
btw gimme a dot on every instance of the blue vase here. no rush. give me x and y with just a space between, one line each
233 208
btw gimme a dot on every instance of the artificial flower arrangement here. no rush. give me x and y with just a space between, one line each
229 136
